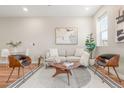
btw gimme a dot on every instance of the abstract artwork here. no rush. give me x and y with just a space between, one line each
120 35
120 26
66 35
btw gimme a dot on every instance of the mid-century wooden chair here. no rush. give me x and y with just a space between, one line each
18 61
108 60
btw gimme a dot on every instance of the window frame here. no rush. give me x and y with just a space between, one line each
101 42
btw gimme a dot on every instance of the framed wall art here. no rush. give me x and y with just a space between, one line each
120 35
66 35
120 26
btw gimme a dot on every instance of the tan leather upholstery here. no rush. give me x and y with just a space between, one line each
18 61
108 60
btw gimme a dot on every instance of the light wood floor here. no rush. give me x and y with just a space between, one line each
5 71
104 72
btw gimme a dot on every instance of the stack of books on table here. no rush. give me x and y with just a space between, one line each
69 65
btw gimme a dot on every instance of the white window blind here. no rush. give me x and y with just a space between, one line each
103 30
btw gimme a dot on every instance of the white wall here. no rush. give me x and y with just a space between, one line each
113 47
112 12
41 31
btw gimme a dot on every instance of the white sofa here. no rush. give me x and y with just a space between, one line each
53 54
79 56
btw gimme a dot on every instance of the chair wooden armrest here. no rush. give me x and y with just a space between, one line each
13 62
114 61
98 58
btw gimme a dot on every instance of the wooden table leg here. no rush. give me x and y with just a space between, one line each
68 77
59 71
70 73
55 74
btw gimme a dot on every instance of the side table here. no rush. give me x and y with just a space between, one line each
40 60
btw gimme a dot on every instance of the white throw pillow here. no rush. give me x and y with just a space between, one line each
84 60
53 52
62 52
79 52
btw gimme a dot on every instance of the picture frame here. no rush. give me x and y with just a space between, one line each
66 36
119 33
120 36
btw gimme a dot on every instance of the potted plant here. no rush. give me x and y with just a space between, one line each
90 44
14 45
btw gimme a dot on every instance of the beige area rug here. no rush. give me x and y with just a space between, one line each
80 77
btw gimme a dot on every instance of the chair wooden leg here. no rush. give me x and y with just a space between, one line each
96 69
117 74
23 72
108 71
18 71
10 74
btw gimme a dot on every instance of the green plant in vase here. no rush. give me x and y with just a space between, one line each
90 44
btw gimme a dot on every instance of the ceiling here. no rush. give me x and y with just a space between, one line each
47 10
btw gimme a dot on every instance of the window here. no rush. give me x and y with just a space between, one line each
102 31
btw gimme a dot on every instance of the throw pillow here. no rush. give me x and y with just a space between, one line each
53 52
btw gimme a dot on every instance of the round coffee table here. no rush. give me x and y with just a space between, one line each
62 68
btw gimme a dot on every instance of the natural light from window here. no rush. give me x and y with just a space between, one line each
102 30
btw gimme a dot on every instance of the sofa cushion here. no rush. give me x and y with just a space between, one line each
61 52
72 58
53 59
53 52
62 58
50 59
78 52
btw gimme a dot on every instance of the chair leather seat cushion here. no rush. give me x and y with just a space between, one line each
25 62
20 57
107 56
101 63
